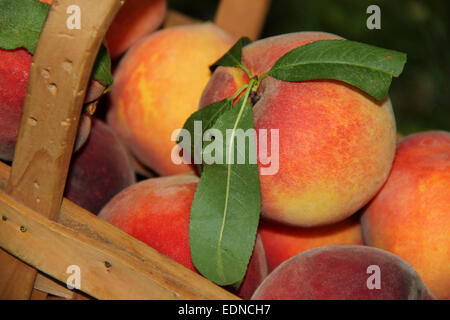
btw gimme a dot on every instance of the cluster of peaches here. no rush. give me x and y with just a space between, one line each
352 213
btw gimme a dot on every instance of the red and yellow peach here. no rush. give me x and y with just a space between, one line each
282 242
158 85
336 144
410 216
156 211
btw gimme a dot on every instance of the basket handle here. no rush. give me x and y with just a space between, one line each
59 76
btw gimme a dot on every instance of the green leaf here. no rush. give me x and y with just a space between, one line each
208 116
364 66
21 23
102 67
233 58
226 206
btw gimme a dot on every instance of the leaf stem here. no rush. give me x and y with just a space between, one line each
245 86
260 79
246 70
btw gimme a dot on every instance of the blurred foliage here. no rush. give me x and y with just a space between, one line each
421 96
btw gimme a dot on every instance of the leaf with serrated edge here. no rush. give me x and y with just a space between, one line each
364 66
226 206
233 58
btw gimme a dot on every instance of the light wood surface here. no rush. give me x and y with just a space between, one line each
80 238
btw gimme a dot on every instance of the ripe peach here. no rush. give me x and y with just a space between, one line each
156 211
410 216
135 19
343 272
282 242
158 85
14 71
336 144
99 170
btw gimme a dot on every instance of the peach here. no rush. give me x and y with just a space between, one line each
410 216
158 85
156 211
14 72
99 171
343 272
135 19
336 144
282 242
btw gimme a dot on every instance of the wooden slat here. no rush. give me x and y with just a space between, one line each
59 76
38 295
16 280
242 18
80 238
49 286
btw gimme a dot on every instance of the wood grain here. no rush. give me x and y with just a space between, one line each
16 278
79 237
38 295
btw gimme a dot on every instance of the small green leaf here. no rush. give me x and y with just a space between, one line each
226 206
21 23
102 67
233 58
364 66
208 116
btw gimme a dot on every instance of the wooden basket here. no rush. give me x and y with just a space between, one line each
42 233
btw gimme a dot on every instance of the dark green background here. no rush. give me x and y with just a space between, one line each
421 95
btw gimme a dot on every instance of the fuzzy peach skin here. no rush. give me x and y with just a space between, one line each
158 85
341 272
156 211
282 242
99 171
336 144
14 72
410 216
135 19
